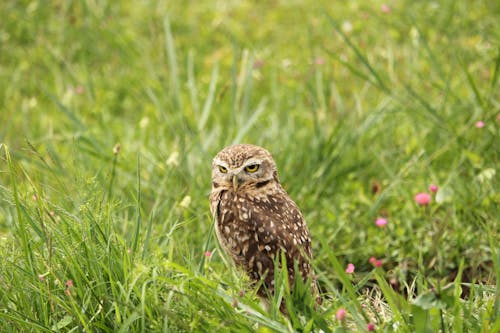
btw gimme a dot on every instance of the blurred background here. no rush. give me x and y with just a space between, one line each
363 105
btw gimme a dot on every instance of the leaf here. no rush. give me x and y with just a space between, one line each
444 194
420 319
486 175
62 323
474 158
430 300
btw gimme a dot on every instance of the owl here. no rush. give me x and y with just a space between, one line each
255 219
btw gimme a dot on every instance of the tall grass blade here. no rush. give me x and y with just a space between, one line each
496 70
495 255
191 84
432 56
138 220
172 63
22 227
209 100
67 111
112 177
397 304
379 82
147 238
25 323
472 84
430 111
234 84
251 121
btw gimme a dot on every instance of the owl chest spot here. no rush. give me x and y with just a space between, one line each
241 231
236 209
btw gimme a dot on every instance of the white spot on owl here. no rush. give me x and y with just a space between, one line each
259 266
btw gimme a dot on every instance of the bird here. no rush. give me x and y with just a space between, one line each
255 219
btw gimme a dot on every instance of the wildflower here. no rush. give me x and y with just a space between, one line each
433 188
208 254
69 285
340 315
185 202
394 283
375 262
423 199
258 64
319 61
285 63
41 277
173 159
79 89
347 27
32 102
486 175
385 8
480 124
370 327
116 149
144 122
380 222
350 268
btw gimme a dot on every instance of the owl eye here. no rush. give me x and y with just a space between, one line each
222 169
252 168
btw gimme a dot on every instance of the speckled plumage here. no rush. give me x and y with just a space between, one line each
255 219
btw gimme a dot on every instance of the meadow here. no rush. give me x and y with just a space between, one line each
383 119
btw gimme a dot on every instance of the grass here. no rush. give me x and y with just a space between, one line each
363 106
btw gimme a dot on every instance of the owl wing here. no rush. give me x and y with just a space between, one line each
214 202
280 227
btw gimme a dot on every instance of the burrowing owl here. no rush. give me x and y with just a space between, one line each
255 219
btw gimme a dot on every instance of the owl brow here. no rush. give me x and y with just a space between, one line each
252 161
221 163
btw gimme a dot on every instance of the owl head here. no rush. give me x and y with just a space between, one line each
242 167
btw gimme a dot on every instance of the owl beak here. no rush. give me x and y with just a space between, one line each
235 183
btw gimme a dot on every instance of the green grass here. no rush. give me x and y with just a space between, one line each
361 108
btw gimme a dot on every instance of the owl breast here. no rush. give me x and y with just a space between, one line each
254 229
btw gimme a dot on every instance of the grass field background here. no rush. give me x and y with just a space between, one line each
110 115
